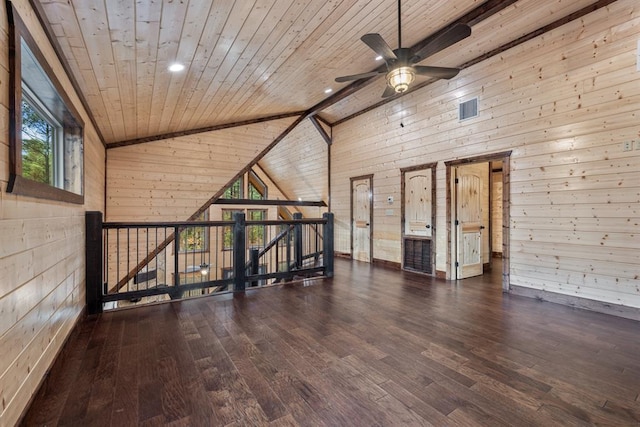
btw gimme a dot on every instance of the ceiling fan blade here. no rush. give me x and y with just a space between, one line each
379 46
438 72
451 36
358 76
389 91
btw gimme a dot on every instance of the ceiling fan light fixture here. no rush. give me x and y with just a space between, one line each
400 78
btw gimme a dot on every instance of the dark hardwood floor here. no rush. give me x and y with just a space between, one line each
372 347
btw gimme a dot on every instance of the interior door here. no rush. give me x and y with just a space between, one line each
469 225
361 227
417 245
417 203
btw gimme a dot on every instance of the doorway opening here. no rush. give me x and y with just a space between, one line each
478 215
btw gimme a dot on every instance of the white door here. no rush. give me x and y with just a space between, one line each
469 224
361 218
417 203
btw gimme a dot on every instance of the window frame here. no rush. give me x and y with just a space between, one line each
18 184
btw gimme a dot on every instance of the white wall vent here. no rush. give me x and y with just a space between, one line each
468 109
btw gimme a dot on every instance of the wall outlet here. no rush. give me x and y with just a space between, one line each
637 144
627 146
388 212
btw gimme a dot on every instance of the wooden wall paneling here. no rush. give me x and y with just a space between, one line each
168 180
41 255
565 125
298 164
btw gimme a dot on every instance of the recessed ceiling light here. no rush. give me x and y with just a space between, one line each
175 67
328 90
378 58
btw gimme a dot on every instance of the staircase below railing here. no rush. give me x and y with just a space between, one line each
131 263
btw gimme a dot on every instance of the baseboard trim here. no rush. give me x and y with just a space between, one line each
441 274
632 313
342 255
387 264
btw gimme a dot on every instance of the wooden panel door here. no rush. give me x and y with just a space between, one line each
417 203
469 226
361 218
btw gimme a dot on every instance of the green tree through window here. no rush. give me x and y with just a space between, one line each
255 233
195 239
37 146
227 231
234 191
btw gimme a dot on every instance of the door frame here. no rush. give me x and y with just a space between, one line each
505 156
433 239
351 180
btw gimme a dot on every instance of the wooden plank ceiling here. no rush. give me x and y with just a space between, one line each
252 58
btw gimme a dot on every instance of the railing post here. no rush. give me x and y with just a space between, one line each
239 252
297 240
327 244
93 261
255 266
176 252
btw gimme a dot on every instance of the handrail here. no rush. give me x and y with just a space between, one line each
106 258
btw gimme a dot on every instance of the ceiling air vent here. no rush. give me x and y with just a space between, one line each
468 109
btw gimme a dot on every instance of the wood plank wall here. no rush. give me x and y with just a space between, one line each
169 180
42 271
299 166
565 103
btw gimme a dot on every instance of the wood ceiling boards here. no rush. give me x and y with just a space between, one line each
251 60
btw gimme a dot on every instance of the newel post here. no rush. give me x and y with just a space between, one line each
93 261
297 241
239 252
327 244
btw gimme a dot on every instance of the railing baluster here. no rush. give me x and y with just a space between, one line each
255 264
176 263
297 237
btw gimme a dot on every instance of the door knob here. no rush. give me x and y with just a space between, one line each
482 227
428 226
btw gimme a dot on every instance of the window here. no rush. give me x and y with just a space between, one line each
227 231
196 238
45 130
257 188
234 191
256 233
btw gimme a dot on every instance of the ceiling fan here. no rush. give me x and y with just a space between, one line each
400 63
